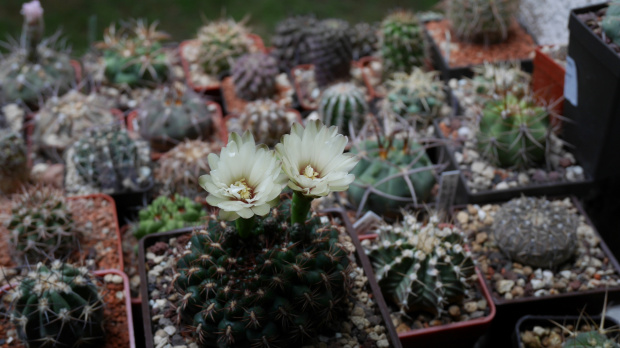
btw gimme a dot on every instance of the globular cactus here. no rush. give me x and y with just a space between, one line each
267 120
419 96
331 51
171 115
58 306
536 232
178 170
482 21
513 132
385 169
254 76
421 267
494 80
41 224
611 22
590 339
63 120
341 104
222 42
282 284
167 214
14 170
364 40
401 42
107 160
290 41
133 55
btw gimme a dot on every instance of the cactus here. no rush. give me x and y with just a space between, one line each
421 267
331 51
419 95
58 306
222 42
107 160
282 283
364 40
41 224
494 80
536 232
590 339
171 115
485 21
290 41
254 76
266 119
342 104
63 120
611 22
133 56
513 132
178 169
401 42
167 214
14 170
384 169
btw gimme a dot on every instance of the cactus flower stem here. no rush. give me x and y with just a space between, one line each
244 226
300 208
33 33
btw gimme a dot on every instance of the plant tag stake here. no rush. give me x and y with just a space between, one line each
447 191
570 81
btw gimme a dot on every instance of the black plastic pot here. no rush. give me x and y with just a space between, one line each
596 117
128 204
529 321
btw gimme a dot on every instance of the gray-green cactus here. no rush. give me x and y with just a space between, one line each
222 42
401 42
611 22
343 104
485 21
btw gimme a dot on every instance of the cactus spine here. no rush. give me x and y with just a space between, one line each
222 42
486 21
331 51
267 121
402 42
343 104
254 76
13 162
364 40
290 41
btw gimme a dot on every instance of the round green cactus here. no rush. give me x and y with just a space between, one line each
486 21
13 162
401 42
58 306
222 42
254 76
331 51
590 339
343 104
611 22
167 214
364 40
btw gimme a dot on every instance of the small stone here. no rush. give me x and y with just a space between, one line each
517 291
383 343
482 304
537 284
503 286
470 307
170 330
590 271
402 328
565 274
527 271
502 186
540 331
529 339
462 217
508 296
523 179
481 237
454 311
478 167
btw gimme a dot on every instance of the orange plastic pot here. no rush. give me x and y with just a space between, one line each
548 82
363 63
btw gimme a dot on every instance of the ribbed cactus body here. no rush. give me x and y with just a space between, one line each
167 214
590 339
222 42
331 51
290 41
58 306
267 121
254 76
341 104
402 42
364 40
13 161
611 22
485 21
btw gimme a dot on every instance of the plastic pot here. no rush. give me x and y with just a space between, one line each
548 82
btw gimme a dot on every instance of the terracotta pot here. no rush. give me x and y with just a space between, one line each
548 83
363 63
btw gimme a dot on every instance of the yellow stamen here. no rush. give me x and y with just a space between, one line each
310 172
241 189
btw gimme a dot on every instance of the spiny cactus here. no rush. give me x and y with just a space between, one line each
133 55
63 120
167 214
421 267
177 170
267 120
513 132
536 232
13 161
283 283
254 76
331 51
107 160
171 115
41 224
611 22
222 42
485 21
341 104
494 80
590 339
58 306
401 42
386 166
290 41
364 40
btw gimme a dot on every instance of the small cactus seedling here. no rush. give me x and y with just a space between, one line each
611 22
331 51
14 170
343 105
167 214
364 40
536 232
401 42
485 21
266 119
290 41
254 76
58 306
222 42
421 267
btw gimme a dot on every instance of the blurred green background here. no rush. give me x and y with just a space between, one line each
182 18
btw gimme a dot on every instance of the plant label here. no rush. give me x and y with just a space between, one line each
448 183
570 81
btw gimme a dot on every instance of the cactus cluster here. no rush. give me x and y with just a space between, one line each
133 55
536 232
401 42
331 51
482 21
41 224
513 132
267 120
494 80
254 76
364 40
107 160
172 114
391 172
167 214
343 104
13 161
222 41
421 267
281 284
58 306
290 41
611 22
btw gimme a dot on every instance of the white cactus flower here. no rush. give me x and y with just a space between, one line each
32 11
245 180
314 161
